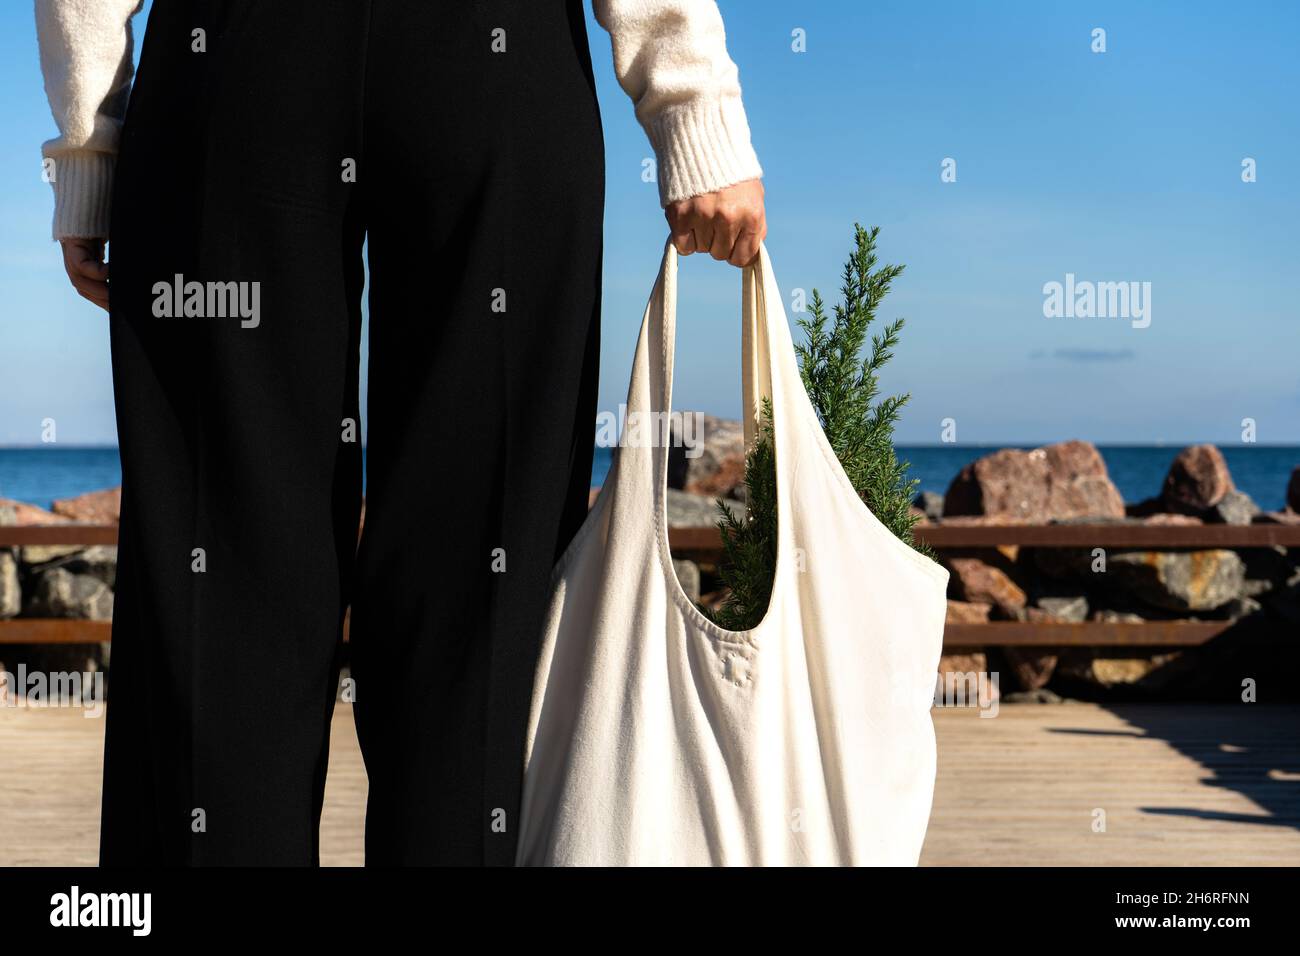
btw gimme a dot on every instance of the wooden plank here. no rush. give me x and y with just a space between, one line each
1085 634
53 631
1022 789
1018 789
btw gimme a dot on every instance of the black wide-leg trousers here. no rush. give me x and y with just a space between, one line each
264 143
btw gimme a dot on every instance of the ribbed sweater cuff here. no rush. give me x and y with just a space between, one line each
702 147
83 192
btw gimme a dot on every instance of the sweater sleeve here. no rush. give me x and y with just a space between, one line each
670 56
86 49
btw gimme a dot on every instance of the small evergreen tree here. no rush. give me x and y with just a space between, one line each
843 390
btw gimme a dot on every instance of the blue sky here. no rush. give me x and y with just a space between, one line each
1115 166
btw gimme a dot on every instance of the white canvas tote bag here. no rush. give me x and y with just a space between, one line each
659 738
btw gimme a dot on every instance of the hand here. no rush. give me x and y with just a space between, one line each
727 224
84 261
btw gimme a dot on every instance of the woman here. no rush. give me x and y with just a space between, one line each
263 142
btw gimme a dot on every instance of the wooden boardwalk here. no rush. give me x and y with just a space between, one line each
1179 785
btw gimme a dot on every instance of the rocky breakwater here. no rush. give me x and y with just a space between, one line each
1258 588
59 581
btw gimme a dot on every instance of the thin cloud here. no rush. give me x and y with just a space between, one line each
1089 355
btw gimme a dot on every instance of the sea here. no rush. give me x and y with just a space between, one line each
42 474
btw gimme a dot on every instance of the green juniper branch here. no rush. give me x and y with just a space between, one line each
844 392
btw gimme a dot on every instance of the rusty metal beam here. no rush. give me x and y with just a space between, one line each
53 631
1086 634
992 634
85 534
1146 536
937 536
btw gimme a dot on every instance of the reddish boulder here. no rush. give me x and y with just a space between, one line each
1031 667
716 463
727 475
22 514
1057 482
962 663
975 581
1197 480
1293 491
967 612
95 507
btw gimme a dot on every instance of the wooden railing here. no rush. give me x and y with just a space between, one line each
706 544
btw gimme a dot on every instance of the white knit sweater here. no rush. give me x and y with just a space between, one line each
670 56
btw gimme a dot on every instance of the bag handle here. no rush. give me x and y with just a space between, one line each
768 370
761 356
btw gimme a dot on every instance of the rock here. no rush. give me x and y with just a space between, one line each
1143 508
60 593
964 663
1197 480
686 510
967 612
1032 668
22 514
1108 671
1170 580
96 507
39 554
1284 601
1238 608
723 482
963 680
688 576
1080 484
1277 517
10 592
1293 491
99 561
1103 669
722 445
975 581
1235 507
1111 616
1165 518
930 504
1055 482
1177 580
1266 569
1072 609
1065 564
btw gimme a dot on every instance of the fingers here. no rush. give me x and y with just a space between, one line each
681 218
726 231
728 224
746 248
83 260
